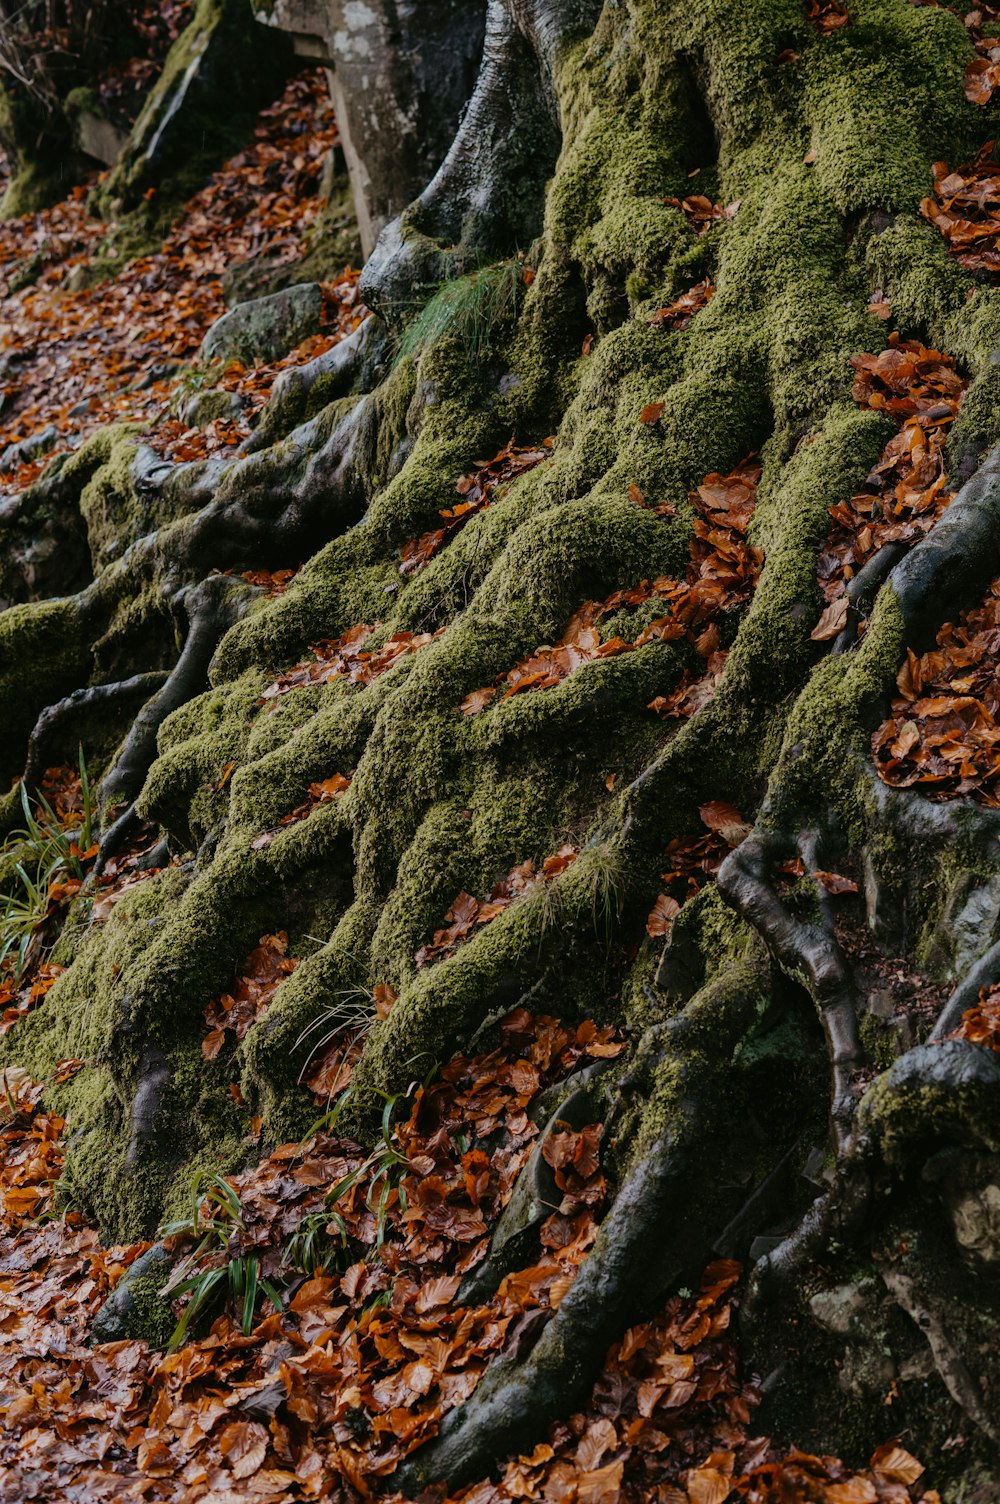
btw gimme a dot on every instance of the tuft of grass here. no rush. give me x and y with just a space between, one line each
469 309
321 1236
45 854
216 1213
351 1017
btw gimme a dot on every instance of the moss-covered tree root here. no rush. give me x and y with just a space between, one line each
726 1105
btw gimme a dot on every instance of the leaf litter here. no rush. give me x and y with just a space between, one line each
721 578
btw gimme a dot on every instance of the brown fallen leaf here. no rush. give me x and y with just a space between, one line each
833 882
832 621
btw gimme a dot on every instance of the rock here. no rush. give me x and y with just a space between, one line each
841 1310
969 1187
265 328
135 1307
205 407
257 277
93 133
28 449
218 73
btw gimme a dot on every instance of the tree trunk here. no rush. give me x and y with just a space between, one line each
605 166
401 75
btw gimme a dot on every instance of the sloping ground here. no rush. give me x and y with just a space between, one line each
491 748
76 358
372 1342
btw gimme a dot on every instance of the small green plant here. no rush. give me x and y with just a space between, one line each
469 309
311 1248
43 854
216 1213
352 1016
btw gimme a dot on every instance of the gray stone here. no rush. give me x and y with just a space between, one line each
206 406
265 328
98 138
134 1308
841 1309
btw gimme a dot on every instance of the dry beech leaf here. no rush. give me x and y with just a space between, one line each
834 883
708 1486
893 1463
832 621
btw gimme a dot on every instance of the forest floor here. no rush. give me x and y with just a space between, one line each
350 1329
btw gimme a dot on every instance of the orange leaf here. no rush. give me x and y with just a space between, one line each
212 1043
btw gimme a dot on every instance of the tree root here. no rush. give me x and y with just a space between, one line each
947 1360
508 135
51 722
955 562
935 1094
356 363
659 1226
212 607
808 953
983 974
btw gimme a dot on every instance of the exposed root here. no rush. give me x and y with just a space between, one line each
661 1223
936 1094
947 1360
955 562
806 952
356 363
52 721
983 974
508 135
211 609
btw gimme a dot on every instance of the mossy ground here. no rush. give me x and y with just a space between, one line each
440 802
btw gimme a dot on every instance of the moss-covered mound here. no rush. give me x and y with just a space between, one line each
816 151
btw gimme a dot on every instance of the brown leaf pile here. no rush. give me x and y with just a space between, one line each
331 1063
966 209
479 490
906 492
467 913
678 315
982 75
981 1024
943 733
264 969
323 791
272 582
666 1388
366 1355
62 791
695 860
347 658
31 1155
721 577
701 213
324 1398
79 360
18 997
827 15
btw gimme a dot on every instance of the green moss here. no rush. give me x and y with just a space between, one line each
440 802
151 1318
